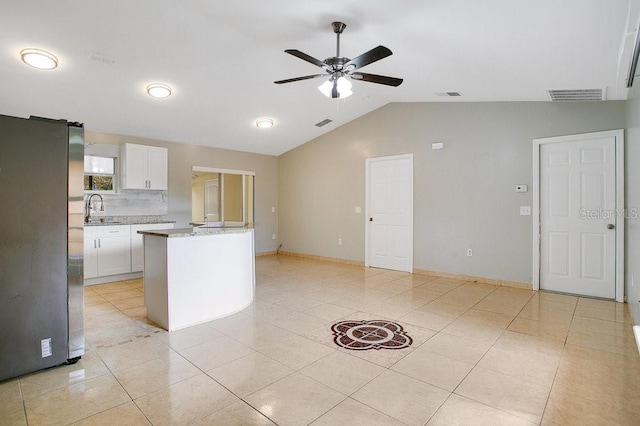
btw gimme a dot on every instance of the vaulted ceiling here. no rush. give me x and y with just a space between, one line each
221 59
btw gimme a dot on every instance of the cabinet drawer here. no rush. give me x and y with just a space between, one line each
90 232
113 231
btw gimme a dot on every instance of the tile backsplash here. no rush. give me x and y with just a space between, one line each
130 203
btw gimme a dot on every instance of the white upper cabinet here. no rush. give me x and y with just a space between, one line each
143 167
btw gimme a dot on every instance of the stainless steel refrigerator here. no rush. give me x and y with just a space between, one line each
41 244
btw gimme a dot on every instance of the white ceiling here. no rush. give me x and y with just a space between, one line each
221 59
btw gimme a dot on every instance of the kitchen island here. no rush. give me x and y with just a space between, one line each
195 275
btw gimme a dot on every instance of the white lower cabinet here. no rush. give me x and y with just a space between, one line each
107 250
137 243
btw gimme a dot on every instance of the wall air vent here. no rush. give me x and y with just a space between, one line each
323 122
577 95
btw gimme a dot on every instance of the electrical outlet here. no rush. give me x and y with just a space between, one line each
469 252
358 209
525 210
339 241
273 236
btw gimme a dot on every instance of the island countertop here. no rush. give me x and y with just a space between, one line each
193 232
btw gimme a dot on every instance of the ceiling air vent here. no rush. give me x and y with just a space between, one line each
96 57
448 94
323 122
578 95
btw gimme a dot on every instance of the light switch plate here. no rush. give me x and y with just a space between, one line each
358 209
522 188
525 210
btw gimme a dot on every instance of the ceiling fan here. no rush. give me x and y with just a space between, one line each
338 68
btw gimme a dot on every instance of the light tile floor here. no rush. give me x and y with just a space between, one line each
481 354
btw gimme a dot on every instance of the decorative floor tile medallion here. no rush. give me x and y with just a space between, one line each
375 334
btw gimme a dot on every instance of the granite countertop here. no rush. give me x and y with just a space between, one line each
126 220
193 232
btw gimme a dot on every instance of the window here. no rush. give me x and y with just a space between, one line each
99 173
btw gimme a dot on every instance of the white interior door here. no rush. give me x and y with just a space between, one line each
578 215
211 200
390 212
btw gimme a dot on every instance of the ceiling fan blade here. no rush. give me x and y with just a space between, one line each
374 78
306 77
305 57
371 56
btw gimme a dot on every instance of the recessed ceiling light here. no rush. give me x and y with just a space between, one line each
158 90
264 123
38 58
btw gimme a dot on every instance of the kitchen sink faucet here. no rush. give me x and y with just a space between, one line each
87 207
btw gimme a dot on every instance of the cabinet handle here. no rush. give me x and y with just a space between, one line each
95 244
98 243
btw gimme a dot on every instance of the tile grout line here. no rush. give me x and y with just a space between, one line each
482 357
564 349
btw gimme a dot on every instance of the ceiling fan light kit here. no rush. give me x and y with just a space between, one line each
340 69
339 88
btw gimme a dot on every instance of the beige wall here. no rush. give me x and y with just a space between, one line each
464 195
182 157
233 197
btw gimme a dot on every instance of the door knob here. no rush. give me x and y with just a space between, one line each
370 219
610 226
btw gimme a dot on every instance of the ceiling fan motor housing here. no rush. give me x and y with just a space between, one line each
335 63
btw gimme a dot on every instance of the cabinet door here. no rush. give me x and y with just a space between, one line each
134 166
90 257
114 255
157 167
